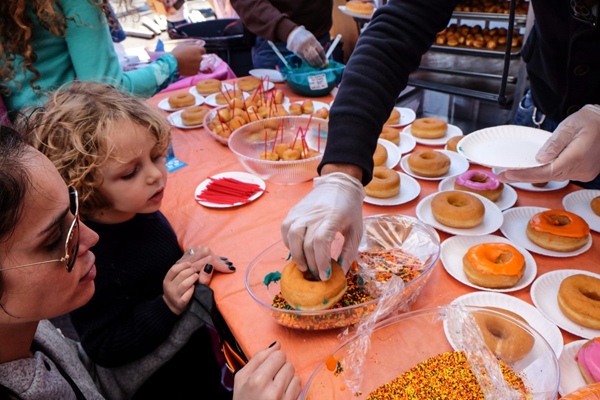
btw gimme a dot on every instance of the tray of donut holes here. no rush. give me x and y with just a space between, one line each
475 39
469 7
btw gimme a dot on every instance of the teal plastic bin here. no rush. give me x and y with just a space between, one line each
308 81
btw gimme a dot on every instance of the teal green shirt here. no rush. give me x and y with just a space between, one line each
86 53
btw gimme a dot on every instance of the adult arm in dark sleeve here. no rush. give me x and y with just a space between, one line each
264 20
386 53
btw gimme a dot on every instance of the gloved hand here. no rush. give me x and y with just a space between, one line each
573 151
304 44
334 205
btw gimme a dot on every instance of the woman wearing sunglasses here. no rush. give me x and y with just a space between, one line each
47 269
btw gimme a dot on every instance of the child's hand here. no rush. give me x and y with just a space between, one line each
178 286
206 262
267 376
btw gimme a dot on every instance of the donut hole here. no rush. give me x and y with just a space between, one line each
495 331
480 178
456 202
309 276
560 220
590 295
504 257
379 175
427 156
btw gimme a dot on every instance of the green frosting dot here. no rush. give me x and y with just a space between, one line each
272 277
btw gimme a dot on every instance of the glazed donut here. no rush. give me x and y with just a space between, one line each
230 95
385 183
586 359
182 100
429 128
429 163
380 156
483 183
457 209
494 265
296 109
290 155
308 107
394 118
452 142
208 86
558 230
248 83
322 113
390 134
302 292
595 205
194 115
578 299
360 7
269 156
508 341
540 184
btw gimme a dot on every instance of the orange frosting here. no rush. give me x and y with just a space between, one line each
560 223
496 258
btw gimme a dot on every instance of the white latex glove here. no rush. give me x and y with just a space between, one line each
573 151
334 205
304 44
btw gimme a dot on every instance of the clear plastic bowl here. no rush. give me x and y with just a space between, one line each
247 149
212 114
402 342
274 258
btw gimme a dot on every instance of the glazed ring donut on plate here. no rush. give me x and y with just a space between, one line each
508 341
390 134
595 205
248 83
380 156
182 100
483 183
452 142
558 230
429 163
360 7
303 292
429 128
394 118
385 183
457 209
579 299
194 115
494 265
208 86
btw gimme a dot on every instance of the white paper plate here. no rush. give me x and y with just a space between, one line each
515 224
458 165
552 185
579 203
175 120
317 105
507 199
266 87
544 293
351 14
164 104
455 247
240 176
263 73
570 376
407 143
212 99
545 328
393 153
452 131
505 146
409 190
407 116
492 219
224 87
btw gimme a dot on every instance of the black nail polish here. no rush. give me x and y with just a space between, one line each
231 268
273 344
223 258
208 268
228 263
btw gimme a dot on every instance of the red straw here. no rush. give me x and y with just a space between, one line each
228 191
307 125
266 134
275 141
296 137
281 123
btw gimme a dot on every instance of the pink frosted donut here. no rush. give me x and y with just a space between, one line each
481 182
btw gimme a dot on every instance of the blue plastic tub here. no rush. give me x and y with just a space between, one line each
308 81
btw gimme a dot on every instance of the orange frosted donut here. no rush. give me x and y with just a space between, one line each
578 299
558 230
429 163
429 128
208 86
360 7
390 134
380 156
248 83
494 265
385 183
194 115
303 292
394 118
452 142
457 209
595 205
182 100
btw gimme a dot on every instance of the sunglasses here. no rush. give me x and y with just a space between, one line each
72 242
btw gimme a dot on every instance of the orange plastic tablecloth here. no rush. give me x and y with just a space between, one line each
243 232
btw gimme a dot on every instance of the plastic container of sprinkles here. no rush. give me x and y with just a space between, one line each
409 356
386 238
